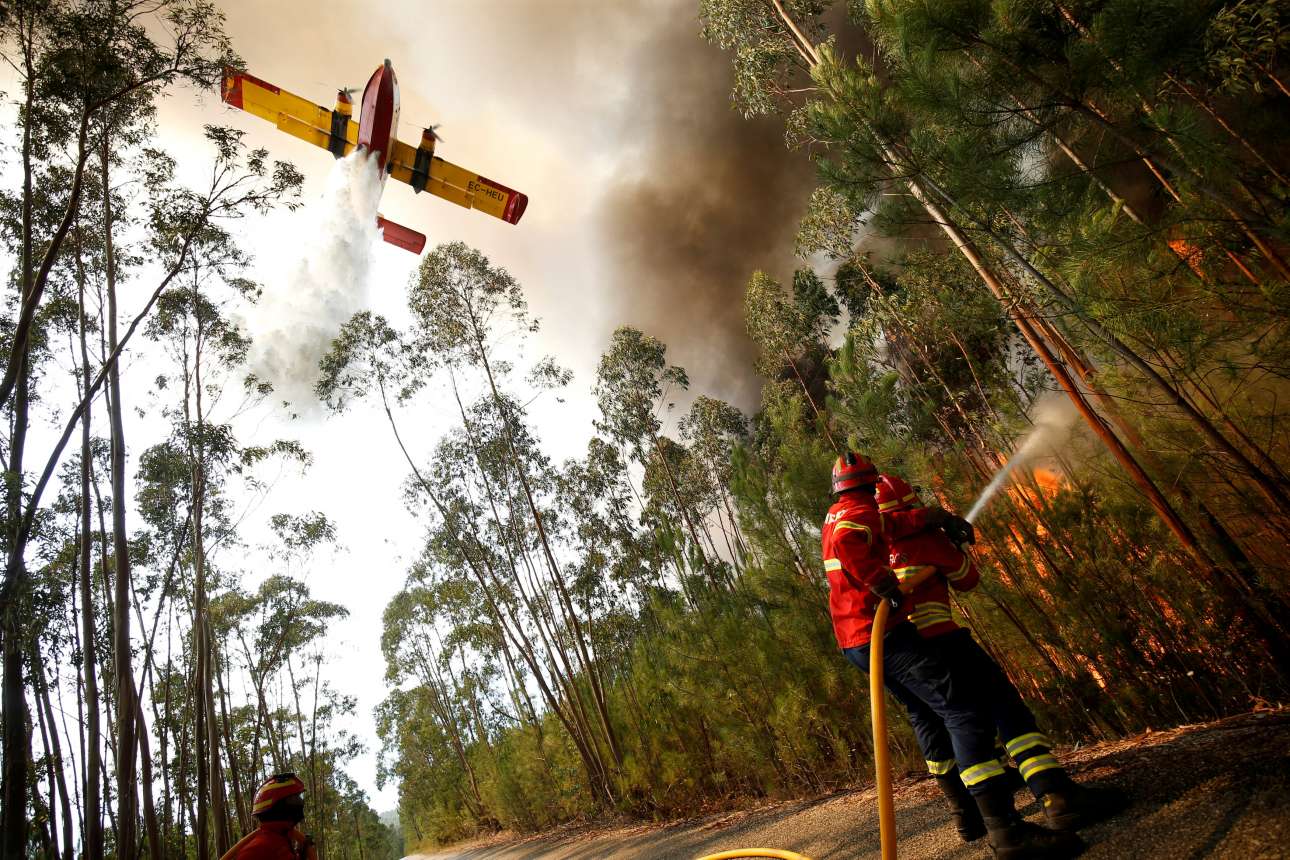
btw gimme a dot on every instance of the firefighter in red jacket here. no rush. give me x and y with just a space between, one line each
279 807
854 540
928 564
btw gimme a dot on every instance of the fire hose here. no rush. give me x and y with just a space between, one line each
881 757
748 853
878 709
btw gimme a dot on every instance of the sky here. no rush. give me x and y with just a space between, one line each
651 203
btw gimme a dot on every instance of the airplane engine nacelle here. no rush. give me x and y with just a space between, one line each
421 166
340 116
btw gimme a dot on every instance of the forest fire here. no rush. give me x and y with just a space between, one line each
400 567
1047 483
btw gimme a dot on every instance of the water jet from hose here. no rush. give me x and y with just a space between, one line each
1053 419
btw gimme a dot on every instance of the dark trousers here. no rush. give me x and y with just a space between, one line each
1029 748
926 681
969 664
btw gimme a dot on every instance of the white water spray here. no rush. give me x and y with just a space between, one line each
327 284
1053 419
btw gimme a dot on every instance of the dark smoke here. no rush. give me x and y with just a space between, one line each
712 198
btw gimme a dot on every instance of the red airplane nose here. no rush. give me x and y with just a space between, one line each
378 122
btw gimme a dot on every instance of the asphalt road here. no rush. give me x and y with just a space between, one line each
1217 790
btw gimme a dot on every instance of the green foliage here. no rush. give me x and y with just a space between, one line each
1112 213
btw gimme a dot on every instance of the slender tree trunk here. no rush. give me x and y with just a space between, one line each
151 830
201 645
127 812
557 575
93 837
243 819
45 729
17 742
56 748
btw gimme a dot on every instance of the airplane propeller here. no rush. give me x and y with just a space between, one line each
434 130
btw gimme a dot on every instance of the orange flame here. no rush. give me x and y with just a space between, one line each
1189 254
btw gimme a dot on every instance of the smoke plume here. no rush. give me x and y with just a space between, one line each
328 283
711 198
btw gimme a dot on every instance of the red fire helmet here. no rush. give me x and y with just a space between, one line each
275 788
894 494
853 470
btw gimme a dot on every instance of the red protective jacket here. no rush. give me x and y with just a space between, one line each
930 602
854 543
272 840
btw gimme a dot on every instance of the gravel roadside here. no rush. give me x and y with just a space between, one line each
1214 790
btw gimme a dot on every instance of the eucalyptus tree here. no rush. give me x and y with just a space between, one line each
411 650
788 328
206 388
712 429
474 465
463 306
634 389
183 226
281 627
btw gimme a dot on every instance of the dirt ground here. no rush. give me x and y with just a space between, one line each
1216 790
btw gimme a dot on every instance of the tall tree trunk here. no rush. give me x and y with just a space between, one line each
56 749
93 843
52 813
239 801
206 794
557 575
13 781
126 780
151 830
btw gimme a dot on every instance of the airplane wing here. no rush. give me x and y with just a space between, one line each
296 116
463 187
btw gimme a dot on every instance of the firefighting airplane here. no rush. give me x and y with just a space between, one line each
376 131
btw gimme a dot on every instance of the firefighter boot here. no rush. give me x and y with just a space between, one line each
1014 838
963 809
1074 806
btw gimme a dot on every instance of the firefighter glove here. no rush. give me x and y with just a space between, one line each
955 527
959 530
887 588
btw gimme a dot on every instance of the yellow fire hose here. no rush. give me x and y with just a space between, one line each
881 758
755 852
878 708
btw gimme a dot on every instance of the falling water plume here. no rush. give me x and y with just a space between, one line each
328 283
1053 419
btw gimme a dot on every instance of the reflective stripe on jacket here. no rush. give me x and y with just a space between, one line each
930 602
854 545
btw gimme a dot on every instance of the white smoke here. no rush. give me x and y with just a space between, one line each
297 319
1054 419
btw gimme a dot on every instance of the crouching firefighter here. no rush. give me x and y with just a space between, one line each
279 807
856 561
927 564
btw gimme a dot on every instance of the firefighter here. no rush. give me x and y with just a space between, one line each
279 807
854 543
1066 805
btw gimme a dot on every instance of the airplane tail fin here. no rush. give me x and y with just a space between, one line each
404 237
